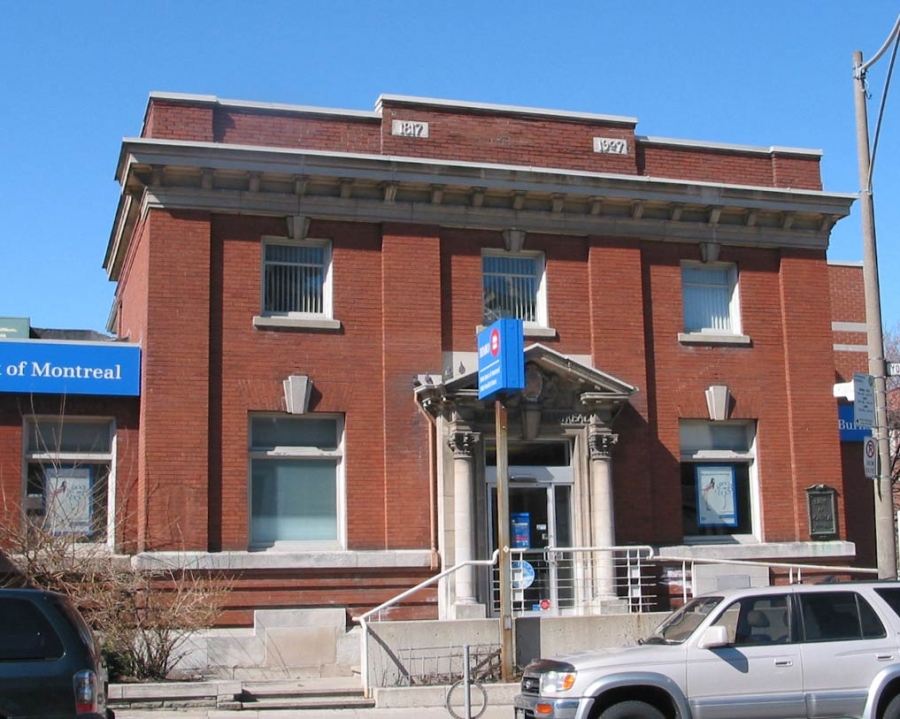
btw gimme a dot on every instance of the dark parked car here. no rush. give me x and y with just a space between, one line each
50 662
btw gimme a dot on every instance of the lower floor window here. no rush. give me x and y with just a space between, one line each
715 499
294 500
295 480
718 479
68 477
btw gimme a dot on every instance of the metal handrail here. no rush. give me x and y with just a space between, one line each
651 553
790 566
363 618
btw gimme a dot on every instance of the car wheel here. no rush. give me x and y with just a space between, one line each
892 711
635 710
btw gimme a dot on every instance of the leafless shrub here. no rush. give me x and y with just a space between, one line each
144 618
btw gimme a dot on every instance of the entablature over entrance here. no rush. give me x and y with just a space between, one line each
560 393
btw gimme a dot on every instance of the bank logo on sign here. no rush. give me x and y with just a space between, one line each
500 358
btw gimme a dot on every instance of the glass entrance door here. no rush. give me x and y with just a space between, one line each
540 517
540 513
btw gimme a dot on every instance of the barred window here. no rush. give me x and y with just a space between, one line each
513 286
297 279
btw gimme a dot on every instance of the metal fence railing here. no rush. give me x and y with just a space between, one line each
559 581
564 581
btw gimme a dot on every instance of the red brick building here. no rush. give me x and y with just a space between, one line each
306 284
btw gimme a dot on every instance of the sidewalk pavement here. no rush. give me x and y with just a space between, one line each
492 712
173 700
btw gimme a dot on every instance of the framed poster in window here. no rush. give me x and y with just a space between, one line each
716 505
68 494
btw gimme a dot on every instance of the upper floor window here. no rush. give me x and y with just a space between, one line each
514 287
296 278
710 299
68 465
296 493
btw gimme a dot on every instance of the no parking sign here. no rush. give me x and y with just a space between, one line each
870 457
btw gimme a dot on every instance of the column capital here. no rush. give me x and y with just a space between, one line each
601 444
463 442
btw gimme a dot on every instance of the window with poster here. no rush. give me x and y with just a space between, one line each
69 463
719 496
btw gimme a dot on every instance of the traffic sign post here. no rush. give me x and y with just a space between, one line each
501 369
870 457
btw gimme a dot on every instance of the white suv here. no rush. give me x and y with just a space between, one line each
782 652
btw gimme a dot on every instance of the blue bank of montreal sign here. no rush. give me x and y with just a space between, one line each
42 367
500 358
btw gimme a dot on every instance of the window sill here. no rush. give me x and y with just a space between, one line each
261 322
541 332
275 559
745 547
713 338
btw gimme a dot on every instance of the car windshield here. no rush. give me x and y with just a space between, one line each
679 625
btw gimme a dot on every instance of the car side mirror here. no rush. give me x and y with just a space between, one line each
713 637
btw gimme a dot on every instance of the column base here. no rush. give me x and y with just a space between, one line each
468 611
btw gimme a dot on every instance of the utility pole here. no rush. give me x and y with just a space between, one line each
885 535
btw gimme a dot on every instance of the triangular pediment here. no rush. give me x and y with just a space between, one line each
555 379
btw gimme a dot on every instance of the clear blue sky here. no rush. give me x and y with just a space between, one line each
76 76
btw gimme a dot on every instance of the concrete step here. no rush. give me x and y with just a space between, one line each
307 694
317 686
313 693
300 703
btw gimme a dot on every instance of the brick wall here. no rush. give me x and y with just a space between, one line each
469 134
459 134
167 120
410 342
729 166
616 313
848 305
847 292
308 132
816 448
175 391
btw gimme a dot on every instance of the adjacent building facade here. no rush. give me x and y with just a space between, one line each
306 284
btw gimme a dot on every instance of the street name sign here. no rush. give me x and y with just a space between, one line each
893 369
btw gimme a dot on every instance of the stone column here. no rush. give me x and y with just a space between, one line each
462 443
603 527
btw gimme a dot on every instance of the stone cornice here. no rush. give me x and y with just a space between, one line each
376 188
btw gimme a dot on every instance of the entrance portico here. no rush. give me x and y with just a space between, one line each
561 441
